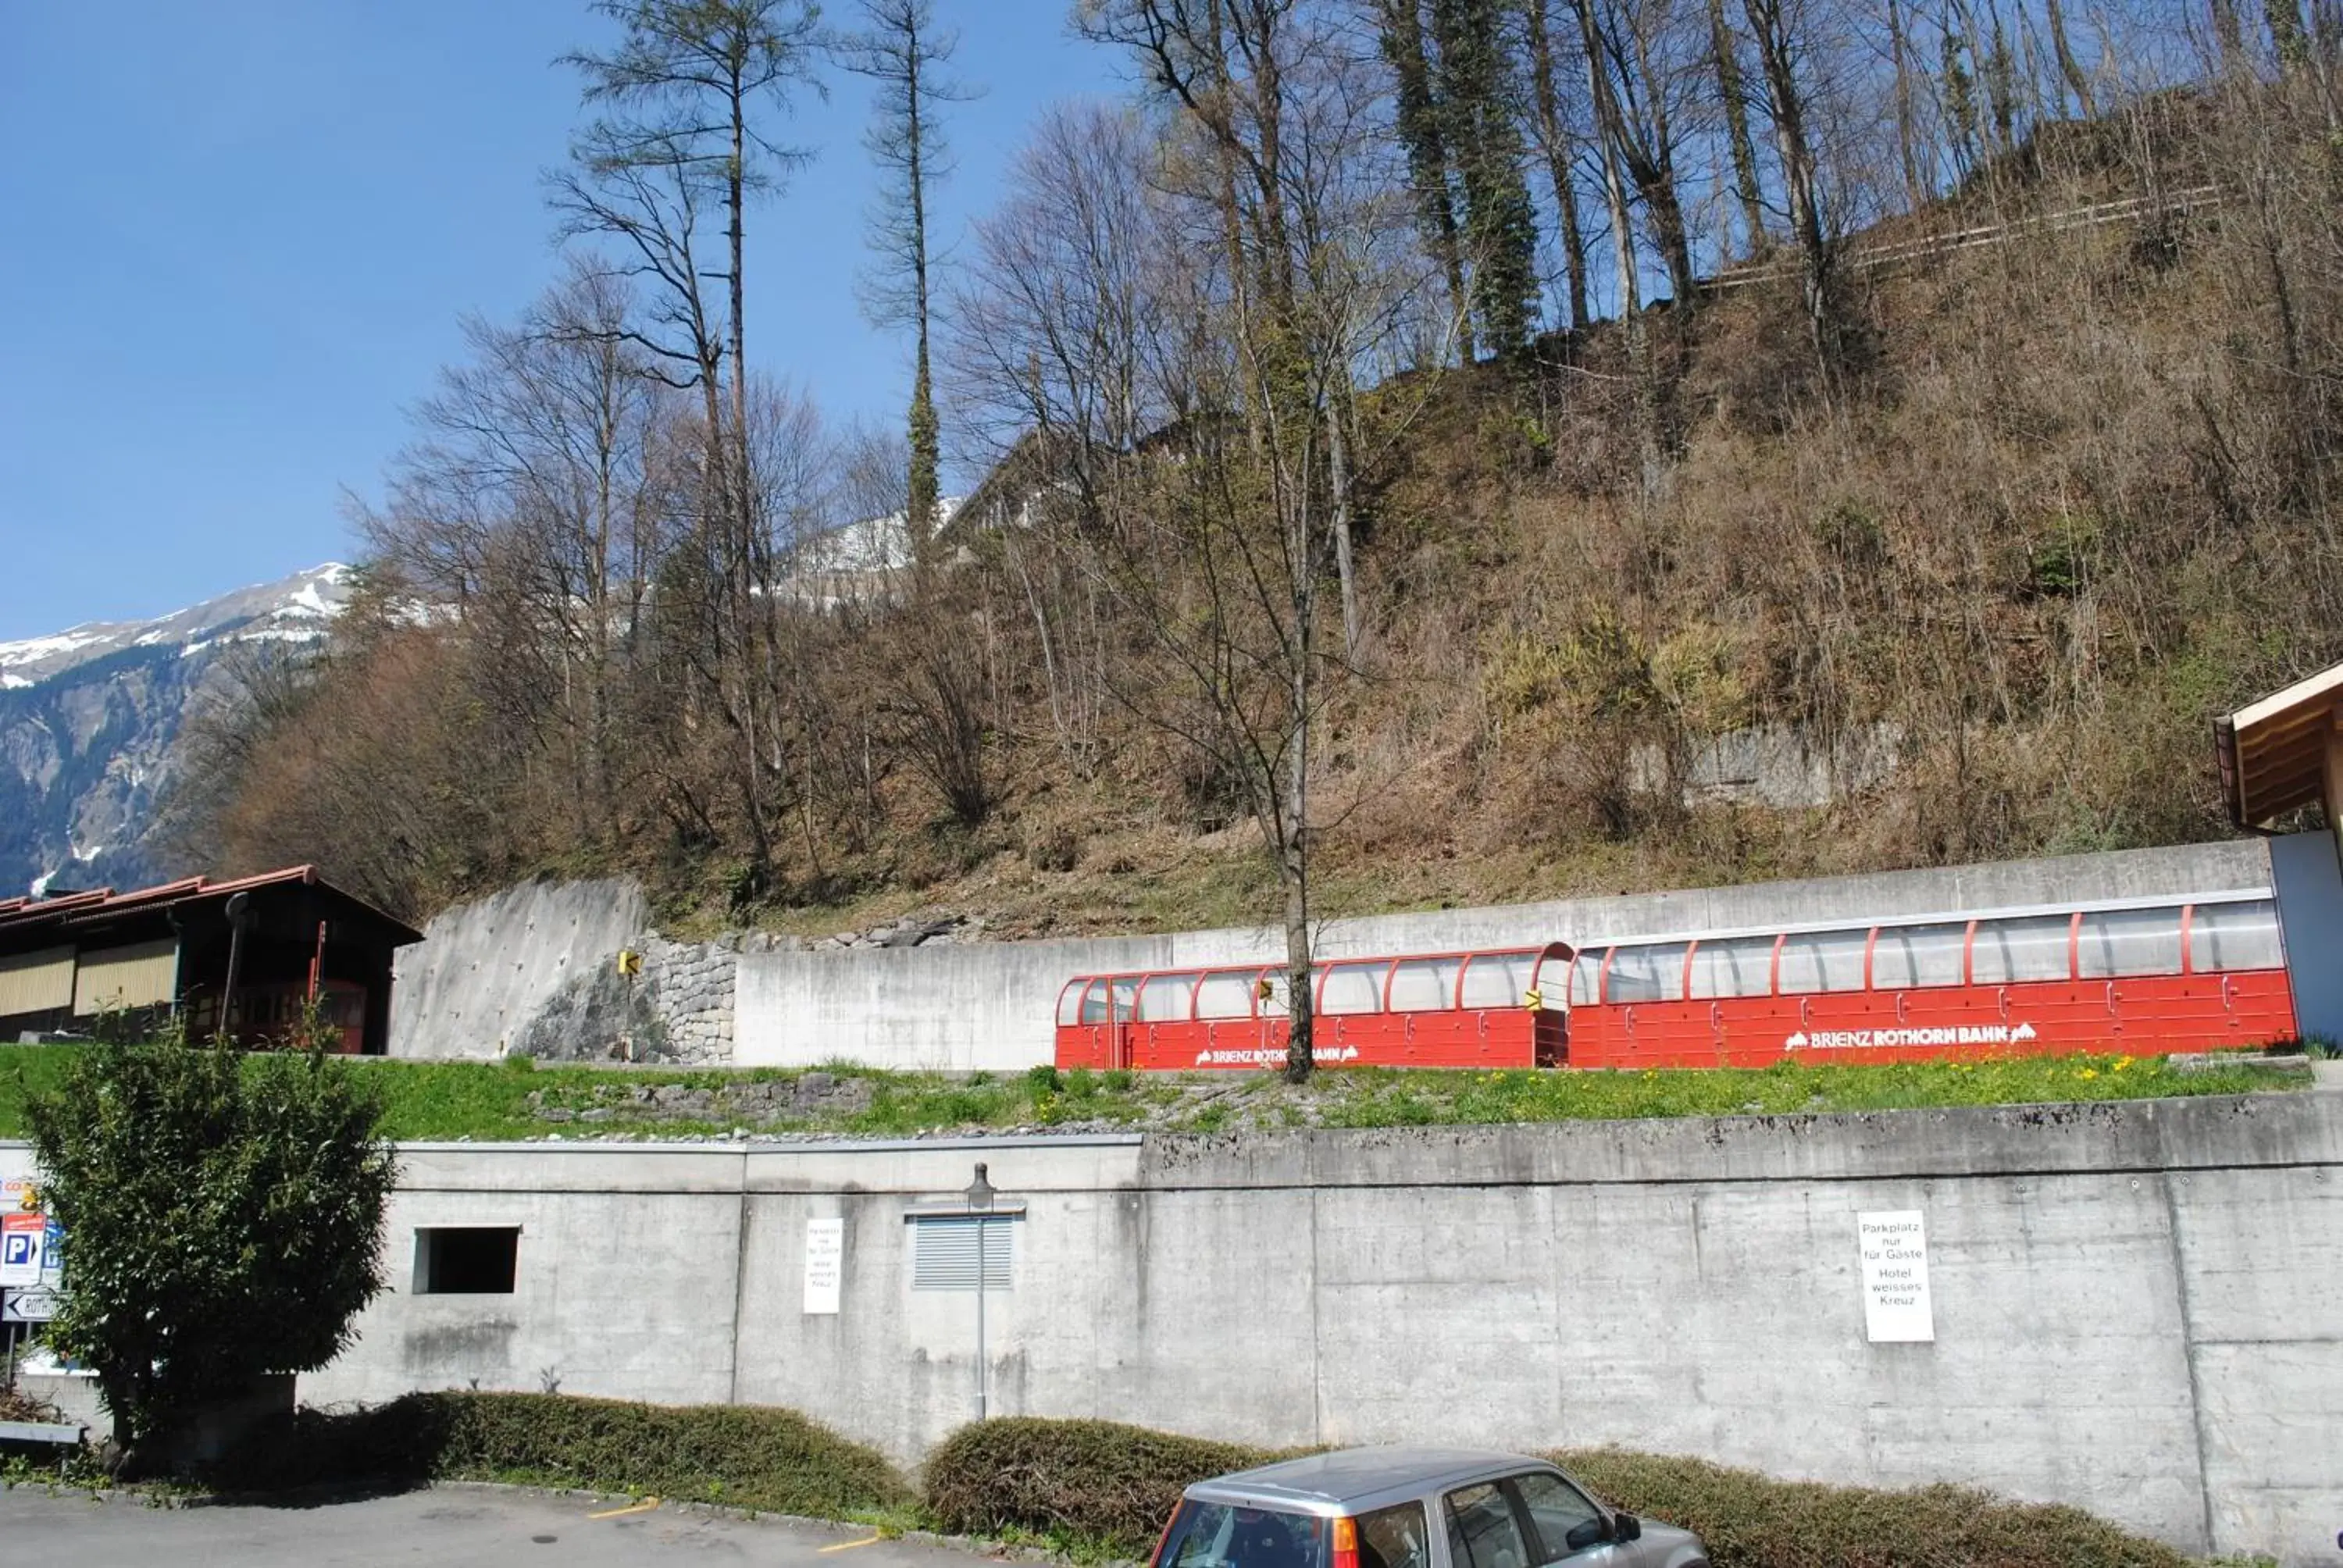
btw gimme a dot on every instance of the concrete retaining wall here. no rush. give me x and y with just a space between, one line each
2135 1304
486 971
533 968
994 1005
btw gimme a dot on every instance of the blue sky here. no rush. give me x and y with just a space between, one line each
235 240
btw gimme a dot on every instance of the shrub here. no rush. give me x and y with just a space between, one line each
750 1456
226 1216
1097 1480
1753 1520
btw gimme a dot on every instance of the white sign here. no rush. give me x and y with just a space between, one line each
824 1265
1944 1034
1895 1310
23 1238
37 1305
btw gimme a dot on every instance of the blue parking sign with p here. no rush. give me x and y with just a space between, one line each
21 1250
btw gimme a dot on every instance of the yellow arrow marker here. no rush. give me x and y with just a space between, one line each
645 1506
850 1545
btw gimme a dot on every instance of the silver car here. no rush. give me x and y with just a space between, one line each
1411 1508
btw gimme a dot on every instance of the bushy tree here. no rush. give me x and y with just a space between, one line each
224 1219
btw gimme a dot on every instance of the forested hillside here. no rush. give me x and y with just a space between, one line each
1419 450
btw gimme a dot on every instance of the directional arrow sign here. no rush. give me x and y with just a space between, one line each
34 1306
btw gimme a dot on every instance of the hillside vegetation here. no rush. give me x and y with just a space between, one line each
1978 539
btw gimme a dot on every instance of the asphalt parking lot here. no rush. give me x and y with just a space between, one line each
443 1527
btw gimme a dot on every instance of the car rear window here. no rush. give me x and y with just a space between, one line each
1229 1536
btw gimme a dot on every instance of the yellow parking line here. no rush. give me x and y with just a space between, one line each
850 1545
645 1506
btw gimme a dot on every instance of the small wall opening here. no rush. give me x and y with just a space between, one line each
465 1260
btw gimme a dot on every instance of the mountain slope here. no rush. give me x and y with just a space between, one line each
91 720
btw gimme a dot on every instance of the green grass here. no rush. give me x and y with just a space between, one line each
496 1100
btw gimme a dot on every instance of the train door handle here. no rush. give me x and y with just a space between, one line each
1627 1020
1805 1012
2229 997
1903 1007
2111 1000
2003 994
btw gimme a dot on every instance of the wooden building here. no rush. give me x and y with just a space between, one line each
256 949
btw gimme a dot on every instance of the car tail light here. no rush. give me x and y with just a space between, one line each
1346 1543
1155 1558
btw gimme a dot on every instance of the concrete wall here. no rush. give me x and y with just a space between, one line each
2135 1304
531 969
994 1005
485 971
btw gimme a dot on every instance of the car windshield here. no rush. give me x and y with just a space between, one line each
1229 1536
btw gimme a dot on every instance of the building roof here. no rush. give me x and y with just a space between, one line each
25 921
2273 753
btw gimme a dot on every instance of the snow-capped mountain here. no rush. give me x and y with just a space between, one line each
91 720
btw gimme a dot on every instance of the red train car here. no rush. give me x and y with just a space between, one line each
2145 975
1425 1009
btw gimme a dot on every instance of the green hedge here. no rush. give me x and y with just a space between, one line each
1110 1487
1752 1521
1097 1481
771 1459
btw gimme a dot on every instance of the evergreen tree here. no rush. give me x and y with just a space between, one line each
1475 98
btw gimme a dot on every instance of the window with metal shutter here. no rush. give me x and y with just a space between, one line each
944 1253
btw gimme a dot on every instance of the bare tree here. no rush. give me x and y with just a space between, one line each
1221 536
529 500
685 89
902 51
1557 141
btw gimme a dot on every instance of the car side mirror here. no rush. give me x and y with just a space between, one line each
1627 1527
1590 1532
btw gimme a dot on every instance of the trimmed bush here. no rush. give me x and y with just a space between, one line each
1099 1482
770 1460
1753 1520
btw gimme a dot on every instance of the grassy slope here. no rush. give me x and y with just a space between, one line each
491 1101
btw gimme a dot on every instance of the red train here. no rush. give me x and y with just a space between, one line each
2141 976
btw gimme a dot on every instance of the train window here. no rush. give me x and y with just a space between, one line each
1069 1004
1165 999
1424 985
1822 961
2033 948
2129 942
1225 995
1586 975
1094 1003
2242 936
1498 979
1648 974
1352 987
1909 956
1738 966
1274 1004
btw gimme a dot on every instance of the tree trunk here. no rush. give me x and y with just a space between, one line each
1787 101
923 485
1917 190
1554 141
2069 67
1418 120
1301 1023
1338 464
1724 50
1639 370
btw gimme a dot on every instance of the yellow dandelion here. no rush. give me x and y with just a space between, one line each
2089 1072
